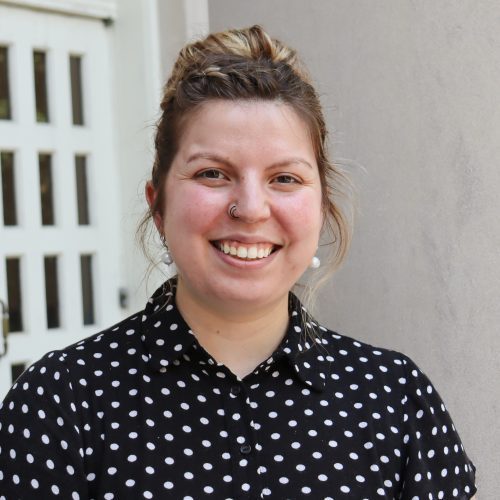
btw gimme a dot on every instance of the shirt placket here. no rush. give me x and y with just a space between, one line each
241 438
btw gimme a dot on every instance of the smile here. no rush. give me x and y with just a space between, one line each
245 251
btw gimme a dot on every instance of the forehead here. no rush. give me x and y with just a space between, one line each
234 127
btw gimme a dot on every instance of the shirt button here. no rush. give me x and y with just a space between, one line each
235 390
245 449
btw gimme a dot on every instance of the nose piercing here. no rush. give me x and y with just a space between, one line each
232 211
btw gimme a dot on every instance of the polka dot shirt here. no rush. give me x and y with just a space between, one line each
141 410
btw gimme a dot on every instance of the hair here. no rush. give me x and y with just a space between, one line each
247 64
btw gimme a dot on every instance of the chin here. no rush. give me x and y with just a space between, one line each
248 295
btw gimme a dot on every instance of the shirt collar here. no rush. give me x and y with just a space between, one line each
167 338
304 348
165 334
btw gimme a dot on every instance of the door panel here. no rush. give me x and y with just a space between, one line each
59 250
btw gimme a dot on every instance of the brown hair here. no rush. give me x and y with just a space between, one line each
247 64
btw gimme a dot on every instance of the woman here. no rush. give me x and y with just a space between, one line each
224 386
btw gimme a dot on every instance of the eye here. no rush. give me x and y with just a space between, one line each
211 173
286 179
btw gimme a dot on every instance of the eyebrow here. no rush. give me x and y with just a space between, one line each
288 161
225 161
209 156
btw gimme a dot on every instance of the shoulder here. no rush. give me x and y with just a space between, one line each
379 372
370 361
66 370
120 341
116 338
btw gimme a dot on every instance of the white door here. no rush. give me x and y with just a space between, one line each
59 272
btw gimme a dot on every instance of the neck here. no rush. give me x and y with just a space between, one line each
239 341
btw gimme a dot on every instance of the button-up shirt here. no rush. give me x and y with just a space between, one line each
141 410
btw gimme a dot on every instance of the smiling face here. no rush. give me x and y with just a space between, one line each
259 156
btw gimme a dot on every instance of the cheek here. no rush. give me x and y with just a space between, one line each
304 216
191 209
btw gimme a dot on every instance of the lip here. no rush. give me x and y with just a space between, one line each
248 239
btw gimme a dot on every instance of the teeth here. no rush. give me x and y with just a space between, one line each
244 252
252 253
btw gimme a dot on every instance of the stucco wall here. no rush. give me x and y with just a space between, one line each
411 95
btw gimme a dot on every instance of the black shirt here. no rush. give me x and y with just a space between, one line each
141 410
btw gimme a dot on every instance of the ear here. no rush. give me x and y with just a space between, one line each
151 195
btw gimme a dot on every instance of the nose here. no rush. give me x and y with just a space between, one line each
252 201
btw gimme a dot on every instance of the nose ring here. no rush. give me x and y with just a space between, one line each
232 211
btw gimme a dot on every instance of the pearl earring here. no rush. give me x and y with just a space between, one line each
315 263
166 256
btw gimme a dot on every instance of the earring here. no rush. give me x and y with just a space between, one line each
315 263
166 256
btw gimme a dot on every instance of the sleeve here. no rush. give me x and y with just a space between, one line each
436 463
41 448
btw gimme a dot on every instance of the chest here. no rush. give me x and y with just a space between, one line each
212 435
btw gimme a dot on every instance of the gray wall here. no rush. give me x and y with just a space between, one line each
411 92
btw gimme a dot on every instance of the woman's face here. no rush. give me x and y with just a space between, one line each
259 156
